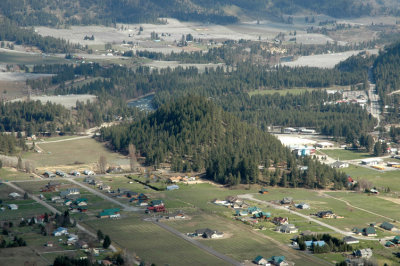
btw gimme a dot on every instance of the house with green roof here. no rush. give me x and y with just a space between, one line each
81 202
278 260
369 231
388 226
259 260
110 213
396 240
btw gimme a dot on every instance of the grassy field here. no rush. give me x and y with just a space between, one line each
20 255
10 174
29 59
65 153
152 243
342 154
379 179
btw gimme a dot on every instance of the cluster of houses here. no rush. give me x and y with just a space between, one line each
393 243
78 205
97 183
12 206
72 239
274 260
367 231
49 174
206 233
231 202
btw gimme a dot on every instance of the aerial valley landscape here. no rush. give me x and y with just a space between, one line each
199 132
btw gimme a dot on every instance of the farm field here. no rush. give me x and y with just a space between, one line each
65 154
152 243
378 178
15 57
11 174
240 242
20 255
342 154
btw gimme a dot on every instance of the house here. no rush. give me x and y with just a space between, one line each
374 191
88 179
72 239
14 195
357 231
68 192
208 233
259 260
287 200
369 231
88 172
49 244
388 226
280 220
253 210
104 187
326 214
349 240
396 240
83 209
55 198
172 187
155 203
303 206
49 174
278 260
324 145
287 229
60 231
60 173
241 213
371 161
264 215
264 191
389 244
363 253
75 173
67 202
81 202
175 179
110 213
339 164
81 244
13 207
310 243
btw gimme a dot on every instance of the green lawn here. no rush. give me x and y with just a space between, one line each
342 154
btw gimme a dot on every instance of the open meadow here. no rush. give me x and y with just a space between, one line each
342 154
73 153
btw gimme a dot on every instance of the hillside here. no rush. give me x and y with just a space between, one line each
72 12
193 133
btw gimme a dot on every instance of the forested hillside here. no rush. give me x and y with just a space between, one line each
387 77
53 12
230 90
192 133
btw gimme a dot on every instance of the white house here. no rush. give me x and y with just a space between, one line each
371 161
60 231
14 195
13 207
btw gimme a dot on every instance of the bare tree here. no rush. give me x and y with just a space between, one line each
102 164
19 164
132 157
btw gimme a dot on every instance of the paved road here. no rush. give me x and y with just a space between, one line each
198 244
337 230
54 210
